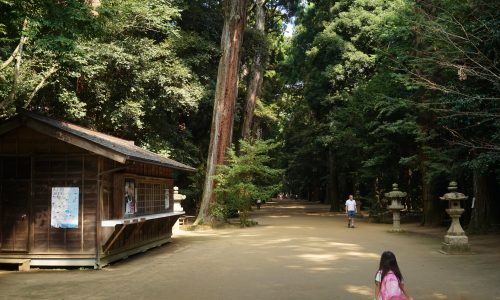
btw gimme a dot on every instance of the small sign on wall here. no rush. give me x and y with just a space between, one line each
130 197
167 198
65 204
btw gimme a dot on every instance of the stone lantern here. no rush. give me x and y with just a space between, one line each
455 240
177 199
178 206
395 196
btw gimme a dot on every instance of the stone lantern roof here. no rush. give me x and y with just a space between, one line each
395 193
453 195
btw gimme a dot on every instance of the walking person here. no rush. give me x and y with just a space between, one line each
388 279
350 210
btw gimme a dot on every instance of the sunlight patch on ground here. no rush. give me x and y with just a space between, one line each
291 207
319 257
275 217
273 242
320 269
360 290
316 239
309 250
294 267
439 296
298 227
276 241
363 254
345 246
196 233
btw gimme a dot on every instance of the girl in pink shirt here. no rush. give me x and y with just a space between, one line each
388 280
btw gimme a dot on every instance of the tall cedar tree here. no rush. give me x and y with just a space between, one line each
226 93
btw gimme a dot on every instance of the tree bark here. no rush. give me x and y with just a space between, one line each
431 208
333 186
432 214
40 85
17 52
481 212
256 75
226 93
17 72
17 56
13 55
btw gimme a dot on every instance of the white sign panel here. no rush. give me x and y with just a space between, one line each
64 213
167 198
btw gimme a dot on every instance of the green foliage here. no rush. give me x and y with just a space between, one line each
154 18
361 116
219 212
458 63
365 93
119 71
247 176
255 41
391 91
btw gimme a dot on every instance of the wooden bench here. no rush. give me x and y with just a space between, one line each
22 263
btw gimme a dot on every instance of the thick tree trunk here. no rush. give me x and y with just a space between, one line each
333 185
226 93
40 85
14 54
483 198
17 72
432 216
256 76
19 49
431 212
431 207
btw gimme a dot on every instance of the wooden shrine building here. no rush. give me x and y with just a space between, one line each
70 196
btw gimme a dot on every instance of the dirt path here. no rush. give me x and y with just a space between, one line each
298 251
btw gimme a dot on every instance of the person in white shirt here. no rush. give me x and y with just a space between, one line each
350 210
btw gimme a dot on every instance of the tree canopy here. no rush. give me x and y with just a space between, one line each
362 94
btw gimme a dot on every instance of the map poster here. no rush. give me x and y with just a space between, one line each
64 213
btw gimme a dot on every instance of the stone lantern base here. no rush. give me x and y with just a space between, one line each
396 196
455 240
455 245
396 218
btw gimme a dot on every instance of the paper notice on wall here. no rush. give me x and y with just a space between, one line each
167 198
64 212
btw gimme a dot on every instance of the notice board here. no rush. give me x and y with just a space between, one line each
64 212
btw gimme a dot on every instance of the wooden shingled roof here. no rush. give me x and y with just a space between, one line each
96 142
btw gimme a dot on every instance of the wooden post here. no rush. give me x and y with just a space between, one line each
98 217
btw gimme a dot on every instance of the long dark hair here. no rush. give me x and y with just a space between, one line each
389 263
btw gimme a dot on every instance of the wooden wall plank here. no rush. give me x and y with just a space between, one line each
64 170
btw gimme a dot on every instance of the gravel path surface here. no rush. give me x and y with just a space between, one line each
299 250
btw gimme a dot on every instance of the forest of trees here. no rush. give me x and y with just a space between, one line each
364 93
